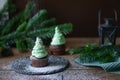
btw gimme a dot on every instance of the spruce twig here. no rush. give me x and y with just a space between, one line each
23 28
102 54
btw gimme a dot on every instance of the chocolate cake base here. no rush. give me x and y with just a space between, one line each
57 49
37 62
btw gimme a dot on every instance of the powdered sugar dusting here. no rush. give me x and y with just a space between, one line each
56 64
44 69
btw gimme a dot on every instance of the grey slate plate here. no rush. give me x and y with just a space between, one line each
56 64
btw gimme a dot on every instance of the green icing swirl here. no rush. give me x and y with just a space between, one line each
39 50
58 38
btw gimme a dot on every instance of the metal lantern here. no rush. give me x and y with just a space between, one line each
107 31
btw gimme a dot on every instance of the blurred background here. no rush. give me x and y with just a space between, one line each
83 14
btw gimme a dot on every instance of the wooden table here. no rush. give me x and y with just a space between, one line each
74 72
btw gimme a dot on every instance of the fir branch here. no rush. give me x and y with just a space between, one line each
21 46
108 54
21 27
27 12
29 43
12 36
43 15
49 31
91 54
47 23
65 28
75 50
39 17
10 24
18 19
43 33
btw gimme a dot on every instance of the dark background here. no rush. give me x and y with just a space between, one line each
83 14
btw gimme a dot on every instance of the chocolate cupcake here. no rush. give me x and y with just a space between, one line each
57 46
39 57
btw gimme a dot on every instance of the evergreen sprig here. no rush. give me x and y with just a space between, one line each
43 33
47 23
23 28
10 25
14 22
49 31
38 18
26 14
92 53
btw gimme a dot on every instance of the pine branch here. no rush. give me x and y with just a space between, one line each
38 18
12 36
65 28
10 24
48 32
47 23
76 50
17 20
29 43
21 27
27 12
43 33
91 54
21 46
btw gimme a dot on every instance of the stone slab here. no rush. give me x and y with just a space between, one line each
56 64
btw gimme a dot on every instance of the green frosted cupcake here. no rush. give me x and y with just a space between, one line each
39 54
57 46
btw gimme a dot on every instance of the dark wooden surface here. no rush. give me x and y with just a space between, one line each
74 72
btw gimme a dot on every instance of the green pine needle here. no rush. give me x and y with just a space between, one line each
37 18
23 28
92 53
